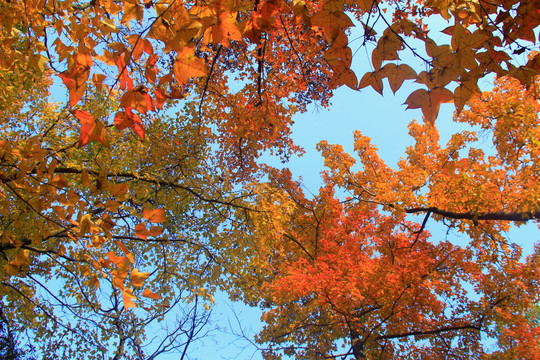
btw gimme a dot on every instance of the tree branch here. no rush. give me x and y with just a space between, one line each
133 176
474 216
429 332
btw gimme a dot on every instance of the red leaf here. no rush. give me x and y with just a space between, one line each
129 119
90 128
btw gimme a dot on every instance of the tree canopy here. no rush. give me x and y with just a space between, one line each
125 207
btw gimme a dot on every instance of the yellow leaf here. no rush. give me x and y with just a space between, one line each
137 278
108 26
85 225
132 10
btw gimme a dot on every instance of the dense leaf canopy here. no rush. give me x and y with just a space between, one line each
126 206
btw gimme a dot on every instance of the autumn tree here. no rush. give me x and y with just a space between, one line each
361 277
131 192
88 233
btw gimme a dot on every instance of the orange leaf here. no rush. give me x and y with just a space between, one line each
137 99
226 29
141 231
155 231
119 261
85 179
126 251
333 22
149 294
396 74
129 119
132 11
154 216
346 77
374 79
161 97
188 66
127 296
464 93
74 85
90 128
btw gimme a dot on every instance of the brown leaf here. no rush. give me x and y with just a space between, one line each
429 102
372 79
397 74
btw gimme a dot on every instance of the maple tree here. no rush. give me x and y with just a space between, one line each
359 275
93 214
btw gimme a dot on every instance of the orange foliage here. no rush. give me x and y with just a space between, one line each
362 276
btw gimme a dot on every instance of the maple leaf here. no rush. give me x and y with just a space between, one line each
333 22
429 101
187 66
91 129
161 98
128 297
75 82
372 79
397 74
225 29
129 119
154 215
345 77
137 99
141 231
120 262
126 252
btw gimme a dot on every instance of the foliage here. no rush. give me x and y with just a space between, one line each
364 271
89 232
282 54
104 232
